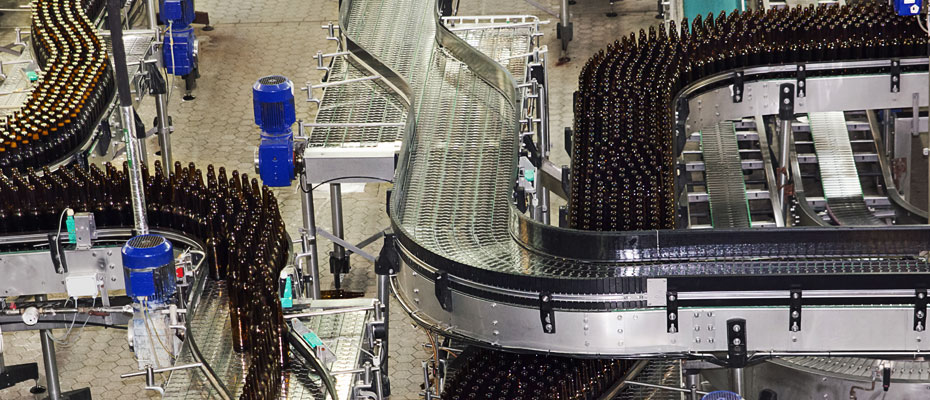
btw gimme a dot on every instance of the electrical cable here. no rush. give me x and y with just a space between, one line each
920 23
344 177
148 332
157 336
64 342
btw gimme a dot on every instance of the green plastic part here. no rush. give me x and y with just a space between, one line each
32 76
288 300
72 232
529 174
312 339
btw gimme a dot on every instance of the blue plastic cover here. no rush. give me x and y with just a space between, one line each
907 8
178 51
721 395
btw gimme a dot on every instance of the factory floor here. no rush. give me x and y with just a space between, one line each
262 37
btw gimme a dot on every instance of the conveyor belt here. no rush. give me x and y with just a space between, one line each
658 372
359 102
838 172
451 208
726 186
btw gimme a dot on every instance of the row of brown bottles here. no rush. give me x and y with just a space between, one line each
489 374
72 94
237 220
623 172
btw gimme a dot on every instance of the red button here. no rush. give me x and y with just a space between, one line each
180 272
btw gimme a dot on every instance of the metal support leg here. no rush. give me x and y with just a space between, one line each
51 363
692 382
308 239
161 110
736 381
338 261
384 296
786 116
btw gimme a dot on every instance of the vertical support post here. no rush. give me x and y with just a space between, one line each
51 362
785 115
737 380
134 149
338 259
384 297
543 146
308 238
164 141
691 383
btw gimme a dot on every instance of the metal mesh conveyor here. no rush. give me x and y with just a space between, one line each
724 176
838 173
359 102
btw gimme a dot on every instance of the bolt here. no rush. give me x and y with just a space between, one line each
586 327
671 297
787 90
710 340
113 279
93 254
416 290
697 328
736 328
620 331
697 340
494 322
801 84
922 294
672 317
697 315
794 338
496 332
795 314
787 101
619 317
920 314
586 344
548 327
795 295
737 342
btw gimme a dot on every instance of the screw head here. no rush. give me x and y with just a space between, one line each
737 342
736 328
672 317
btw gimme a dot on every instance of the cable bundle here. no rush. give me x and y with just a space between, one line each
74 90
623 172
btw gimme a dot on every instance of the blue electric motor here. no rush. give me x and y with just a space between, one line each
273 101
178 45
148 266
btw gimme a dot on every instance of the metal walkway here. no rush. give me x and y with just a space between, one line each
726 186
838 172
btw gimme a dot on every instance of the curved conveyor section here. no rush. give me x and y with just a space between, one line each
472 262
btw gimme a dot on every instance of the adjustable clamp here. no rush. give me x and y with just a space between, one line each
738 86
546 313
895 75
443 293
920 310
794 311
802 80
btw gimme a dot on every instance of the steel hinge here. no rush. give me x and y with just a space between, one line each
794 310
546 313
443 293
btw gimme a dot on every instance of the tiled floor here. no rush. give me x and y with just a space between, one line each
258 38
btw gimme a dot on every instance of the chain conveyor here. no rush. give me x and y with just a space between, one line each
838 173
